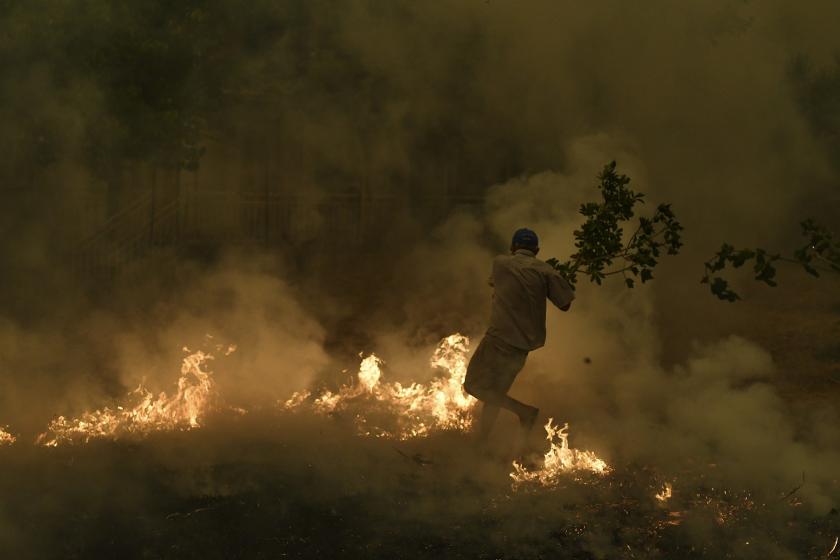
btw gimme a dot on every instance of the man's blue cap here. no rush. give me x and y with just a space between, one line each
525 237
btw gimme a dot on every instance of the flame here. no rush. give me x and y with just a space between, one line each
370 372
183 410
665 494
6 438
297 399
559 460
416 409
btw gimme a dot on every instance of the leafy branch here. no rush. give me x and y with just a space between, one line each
820 253
602 247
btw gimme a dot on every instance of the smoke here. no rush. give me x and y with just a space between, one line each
240 301
413 101
602 369
716 107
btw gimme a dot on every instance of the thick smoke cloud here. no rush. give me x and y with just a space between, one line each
698 101
242 301
602 369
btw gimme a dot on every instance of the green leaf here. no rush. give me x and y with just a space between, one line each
604 237
740 257
811 270
720 288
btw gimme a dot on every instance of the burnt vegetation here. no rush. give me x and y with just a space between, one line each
240 489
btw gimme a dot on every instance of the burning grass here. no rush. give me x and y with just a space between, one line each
379 408
560 460
392 410
306 479
144 412
270 484
6 438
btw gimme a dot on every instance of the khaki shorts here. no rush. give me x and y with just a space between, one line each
493 367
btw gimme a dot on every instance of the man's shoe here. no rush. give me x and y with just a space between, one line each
527 420
531 460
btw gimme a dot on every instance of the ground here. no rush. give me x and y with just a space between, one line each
282 485
269 486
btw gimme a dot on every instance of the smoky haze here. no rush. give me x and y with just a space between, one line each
408 141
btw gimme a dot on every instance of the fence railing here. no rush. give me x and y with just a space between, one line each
330 222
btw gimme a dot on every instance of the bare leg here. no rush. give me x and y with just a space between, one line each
493 402
489 414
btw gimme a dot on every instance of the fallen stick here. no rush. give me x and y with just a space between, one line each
795 490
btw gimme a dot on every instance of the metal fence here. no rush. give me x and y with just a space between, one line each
336 222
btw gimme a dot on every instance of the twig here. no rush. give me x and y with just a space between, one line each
417 458
833 548
815 266
618 271
795 490
189 513
622 255
831 262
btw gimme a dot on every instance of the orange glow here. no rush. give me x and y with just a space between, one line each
559 460
6 438
183 410
414 410
665 494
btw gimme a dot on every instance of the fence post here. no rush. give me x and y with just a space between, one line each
152 207
177 233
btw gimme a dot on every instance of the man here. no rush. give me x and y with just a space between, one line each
521 285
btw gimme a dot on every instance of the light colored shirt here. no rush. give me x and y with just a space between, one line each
522 283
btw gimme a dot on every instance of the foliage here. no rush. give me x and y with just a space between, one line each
602 247
140 80
820 253
604 250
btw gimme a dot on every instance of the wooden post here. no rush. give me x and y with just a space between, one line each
177 233
152 207
266 181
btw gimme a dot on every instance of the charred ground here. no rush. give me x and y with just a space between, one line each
268 487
